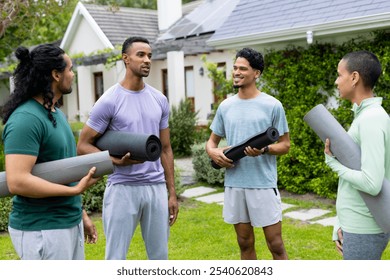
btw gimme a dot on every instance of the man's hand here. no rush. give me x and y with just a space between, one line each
173 206
90 232
86 182
125 160
327 147
339 241
217 155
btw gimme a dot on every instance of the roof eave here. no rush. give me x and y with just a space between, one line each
367 23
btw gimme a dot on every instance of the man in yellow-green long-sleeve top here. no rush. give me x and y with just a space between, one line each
356 233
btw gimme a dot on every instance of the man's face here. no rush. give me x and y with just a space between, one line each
243 73
66 77
138 59
344 81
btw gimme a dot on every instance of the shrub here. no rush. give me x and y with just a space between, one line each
182 124
203 169
5 209
93 197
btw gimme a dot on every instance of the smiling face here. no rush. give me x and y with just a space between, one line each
243 73
138 59
345 81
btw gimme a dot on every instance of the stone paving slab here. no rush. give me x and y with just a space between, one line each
325 222
306 214
198 191
286 206
218 197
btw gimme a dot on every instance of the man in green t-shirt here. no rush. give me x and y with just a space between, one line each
47 220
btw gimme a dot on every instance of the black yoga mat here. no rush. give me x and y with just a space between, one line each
68 170
257 141
142 147
348 153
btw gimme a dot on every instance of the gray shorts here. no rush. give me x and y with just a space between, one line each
53 244
260 207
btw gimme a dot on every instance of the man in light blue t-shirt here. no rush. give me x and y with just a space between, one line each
251 195
137 192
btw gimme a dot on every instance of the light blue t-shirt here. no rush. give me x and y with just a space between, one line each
145 111
238 119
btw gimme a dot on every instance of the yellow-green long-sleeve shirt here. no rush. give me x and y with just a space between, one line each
370 129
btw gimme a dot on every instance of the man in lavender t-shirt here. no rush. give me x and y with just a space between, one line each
136 192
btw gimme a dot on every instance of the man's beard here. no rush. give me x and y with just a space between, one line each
236 86
66 91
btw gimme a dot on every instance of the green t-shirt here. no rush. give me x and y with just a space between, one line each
29 131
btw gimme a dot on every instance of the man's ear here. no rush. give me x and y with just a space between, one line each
56 75
355 77
258 73
124 57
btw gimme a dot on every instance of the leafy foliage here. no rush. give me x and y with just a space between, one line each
182 122
5 209
203 170
32 22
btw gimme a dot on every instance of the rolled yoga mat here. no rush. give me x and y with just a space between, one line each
142 147
348 153
68 170
257 141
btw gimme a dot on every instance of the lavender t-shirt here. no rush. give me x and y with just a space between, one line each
145 111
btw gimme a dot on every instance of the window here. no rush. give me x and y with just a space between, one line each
99 88
189 86
165 82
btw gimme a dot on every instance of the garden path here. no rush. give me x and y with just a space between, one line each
209 194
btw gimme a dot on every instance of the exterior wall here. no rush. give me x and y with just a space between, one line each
85 40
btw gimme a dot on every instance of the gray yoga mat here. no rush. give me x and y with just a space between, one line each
348 153
142 147
258 141
68 170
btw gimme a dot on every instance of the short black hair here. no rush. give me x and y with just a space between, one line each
366 64
132 40
254 58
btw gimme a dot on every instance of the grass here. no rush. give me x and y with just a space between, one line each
201 234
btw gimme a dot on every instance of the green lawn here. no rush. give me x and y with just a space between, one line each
201 234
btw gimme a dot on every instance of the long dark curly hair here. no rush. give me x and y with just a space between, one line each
33 77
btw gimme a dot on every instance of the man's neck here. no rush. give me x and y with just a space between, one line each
133 83
362 95
248 92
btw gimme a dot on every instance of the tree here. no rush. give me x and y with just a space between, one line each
32 22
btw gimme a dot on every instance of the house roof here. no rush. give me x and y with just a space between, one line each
119 24
265 21
205 18
111 25
114 26
190 33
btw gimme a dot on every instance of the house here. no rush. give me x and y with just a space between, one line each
181 35
178 36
